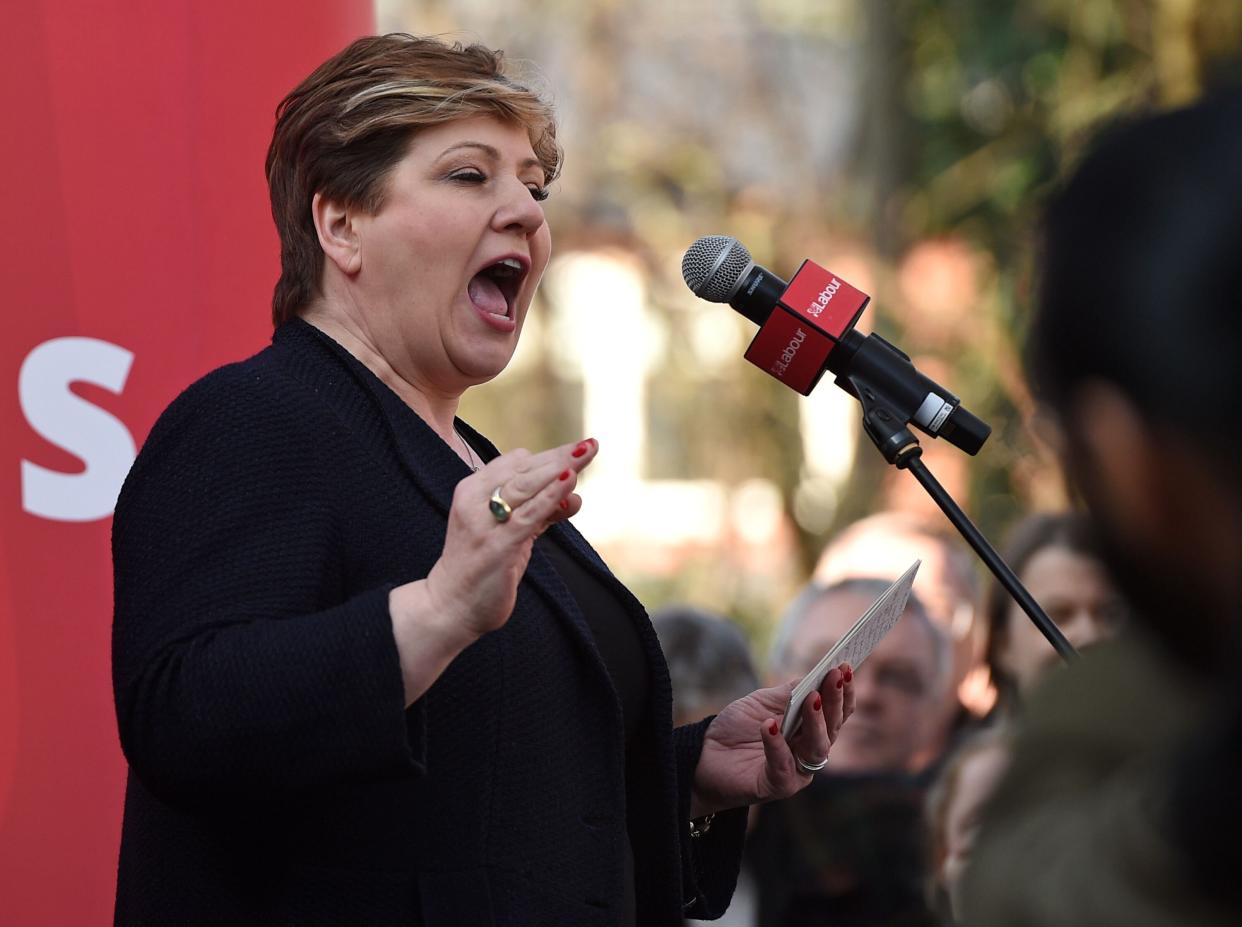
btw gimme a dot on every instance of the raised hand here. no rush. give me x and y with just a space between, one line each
476 578
496 514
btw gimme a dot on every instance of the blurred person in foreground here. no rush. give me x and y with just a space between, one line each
365 671
1058 560
709 665
849 849
1121 803
964 783
884 545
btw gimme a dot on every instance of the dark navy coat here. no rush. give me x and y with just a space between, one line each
276 776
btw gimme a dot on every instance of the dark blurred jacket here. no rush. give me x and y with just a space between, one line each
1081 830
275 775
847 851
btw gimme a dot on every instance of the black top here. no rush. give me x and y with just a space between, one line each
848 850
614 635
622 653
276 776
620 648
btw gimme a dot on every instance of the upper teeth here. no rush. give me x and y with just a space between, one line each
512 263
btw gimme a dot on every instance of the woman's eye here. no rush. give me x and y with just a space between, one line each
539 193
469 176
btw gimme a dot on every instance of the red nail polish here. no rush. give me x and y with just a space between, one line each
564 505
849 675
564 475
774 728
817 704
841 683
581 449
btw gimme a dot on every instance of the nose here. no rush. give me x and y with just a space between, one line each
518 211
1084 627
866 694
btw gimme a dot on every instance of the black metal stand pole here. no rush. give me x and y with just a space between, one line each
886 423
914 463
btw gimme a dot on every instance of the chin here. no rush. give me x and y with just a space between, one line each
483 367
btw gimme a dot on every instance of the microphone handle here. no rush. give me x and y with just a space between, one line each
758 295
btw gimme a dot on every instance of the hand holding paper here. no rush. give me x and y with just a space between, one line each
855 646
748 756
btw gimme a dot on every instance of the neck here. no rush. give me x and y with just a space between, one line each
438 409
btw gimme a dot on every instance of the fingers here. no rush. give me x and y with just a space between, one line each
833 693
523 477
822 715
567 508
811 744
545 506
776 752
484 557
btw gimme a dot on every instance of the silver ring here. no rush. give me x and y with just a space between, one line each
500 509
809 769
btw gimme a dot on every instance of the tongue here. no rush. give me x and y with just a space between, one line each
487 296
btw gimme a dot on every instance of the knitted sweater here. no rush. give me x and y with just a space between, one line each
276 776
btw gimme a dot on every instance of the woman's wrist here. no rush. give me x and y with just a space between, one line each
428 639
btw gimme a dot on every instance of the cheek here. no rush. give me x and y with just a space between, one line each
410 253
541 249
434 231
1022 649
916 719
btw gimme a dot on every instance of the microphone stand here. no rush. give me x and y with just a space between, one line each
887 426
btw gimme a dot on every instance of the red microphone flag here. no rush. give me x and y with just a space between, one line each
815 311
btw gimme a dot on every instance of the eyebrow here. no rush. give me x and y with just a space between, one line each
490 151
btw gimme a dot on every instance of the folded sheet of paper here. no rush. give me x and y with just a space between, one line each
855 646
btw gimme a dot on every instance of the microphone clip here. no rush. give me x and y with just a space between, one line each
885 424
895 394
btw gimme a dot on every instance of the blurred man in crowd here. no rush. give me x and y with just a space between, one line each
848 850
896 693
883 546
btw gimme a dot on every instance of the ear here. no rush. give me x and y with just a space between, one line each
1121 466
338 234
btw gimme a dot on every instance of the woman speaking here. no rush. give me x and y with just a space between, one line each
366 672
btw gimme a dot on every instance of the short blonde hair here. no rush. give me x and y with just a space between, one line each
340 132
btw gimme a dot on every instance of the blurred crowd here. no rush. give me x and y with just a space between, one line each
882 836
982 779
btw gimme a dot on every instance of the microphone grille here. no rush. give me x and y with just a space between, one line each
714 267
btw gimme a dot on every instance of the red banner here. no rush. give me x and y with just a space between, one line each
137 252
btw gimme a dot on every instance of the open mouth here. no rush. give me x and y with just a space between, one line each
494 289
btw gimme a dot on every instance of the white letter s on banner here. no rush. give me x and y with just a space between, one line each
98 438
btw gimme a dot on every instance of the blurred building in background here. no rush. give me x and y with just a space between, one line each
904 145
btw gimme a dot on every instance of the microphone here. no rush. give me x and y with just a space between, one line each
806 327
